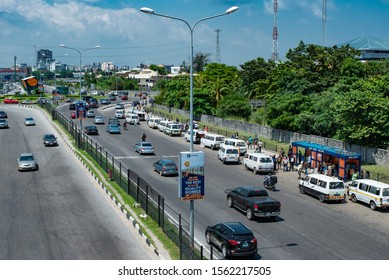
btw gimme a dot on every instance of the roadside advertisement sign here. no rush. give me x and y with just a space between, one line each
191 178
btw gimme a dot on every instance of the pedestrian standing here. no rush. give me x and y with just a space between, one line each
250 142
260 146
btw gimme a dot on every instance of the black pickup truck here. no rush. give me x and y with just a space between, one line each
254 201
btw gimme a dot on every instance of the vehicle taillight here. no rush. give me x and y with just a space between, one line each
255 206
163 168
233 242
254 240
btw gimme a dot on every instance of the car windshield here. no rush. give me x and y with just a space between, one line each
170 164
219 138
3 121
385 192
336 185
26 158
240 144
28 119
49 136
232 151
175 126
146 145
266 160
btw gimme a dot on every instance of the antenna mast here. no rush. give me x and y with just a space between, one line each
324 22
218 57
274 55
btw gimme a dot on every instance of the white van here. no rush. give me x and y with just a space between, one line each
372 192
153 122
162 125
238 143
258 162
324 187
132 119
228 154
212 141
173 129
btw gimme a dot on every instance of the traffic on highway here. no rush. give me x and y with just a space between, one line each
304 229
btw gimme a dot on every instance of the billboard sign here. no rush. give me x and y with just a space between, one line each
191 181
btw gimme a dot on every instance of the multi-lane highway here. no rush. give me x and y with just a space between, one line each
306 229
57 212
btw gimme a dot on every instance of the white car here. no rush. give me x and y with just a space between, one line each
119 114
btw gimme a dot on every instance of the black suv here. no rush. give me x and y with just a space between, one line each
232 238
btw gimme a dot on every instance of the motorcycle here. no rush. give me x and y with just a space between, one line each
269 182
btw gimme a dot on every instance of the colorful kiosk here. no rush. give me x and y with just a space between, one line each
346 163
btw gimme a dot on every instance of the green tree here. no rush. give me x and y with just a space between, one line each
234 105
363 117
200 60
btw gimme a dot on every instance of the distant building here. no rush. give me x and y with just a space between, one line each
370 47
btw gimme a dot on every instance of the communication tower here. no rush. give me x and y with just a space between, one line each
218 57
274 55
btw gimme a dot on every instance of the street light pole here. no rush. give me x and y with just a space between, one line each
80 53
191 28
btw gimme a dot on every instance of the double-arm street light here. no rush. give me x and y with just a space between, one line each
191 28
80 53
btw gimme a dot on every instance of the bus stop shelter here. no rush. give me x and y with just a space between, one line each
346 163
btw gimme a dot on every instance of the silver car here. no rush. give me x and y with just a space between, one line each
98 120
144 148
29 121
3 123
27 161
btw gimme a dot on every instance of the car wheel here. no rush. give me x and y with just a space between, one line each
212 147
321 198
208 237
354 198
246 167
373 206
224 252
224 161
249 214
301 188
230 202
255 170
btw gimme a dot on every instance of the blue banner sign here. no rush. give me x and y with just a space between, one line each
191 181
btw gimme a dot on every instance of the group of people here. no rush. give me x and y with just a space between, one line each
254 143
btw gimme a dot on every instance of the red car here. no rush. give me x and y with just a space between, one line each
124 97
10 101
73 115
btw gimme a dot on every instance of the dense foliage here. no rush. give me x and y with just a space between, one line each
317 90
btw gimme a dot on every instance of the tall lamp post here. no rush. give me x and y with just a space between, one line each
191 28
80 53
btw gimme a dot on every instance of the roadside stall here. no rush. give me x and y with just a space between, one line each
343 163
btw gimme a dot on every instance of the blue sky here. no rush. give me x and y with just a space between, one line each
130 37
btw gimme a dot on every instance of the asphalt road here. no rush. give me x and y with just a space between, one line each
306 229
57 212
